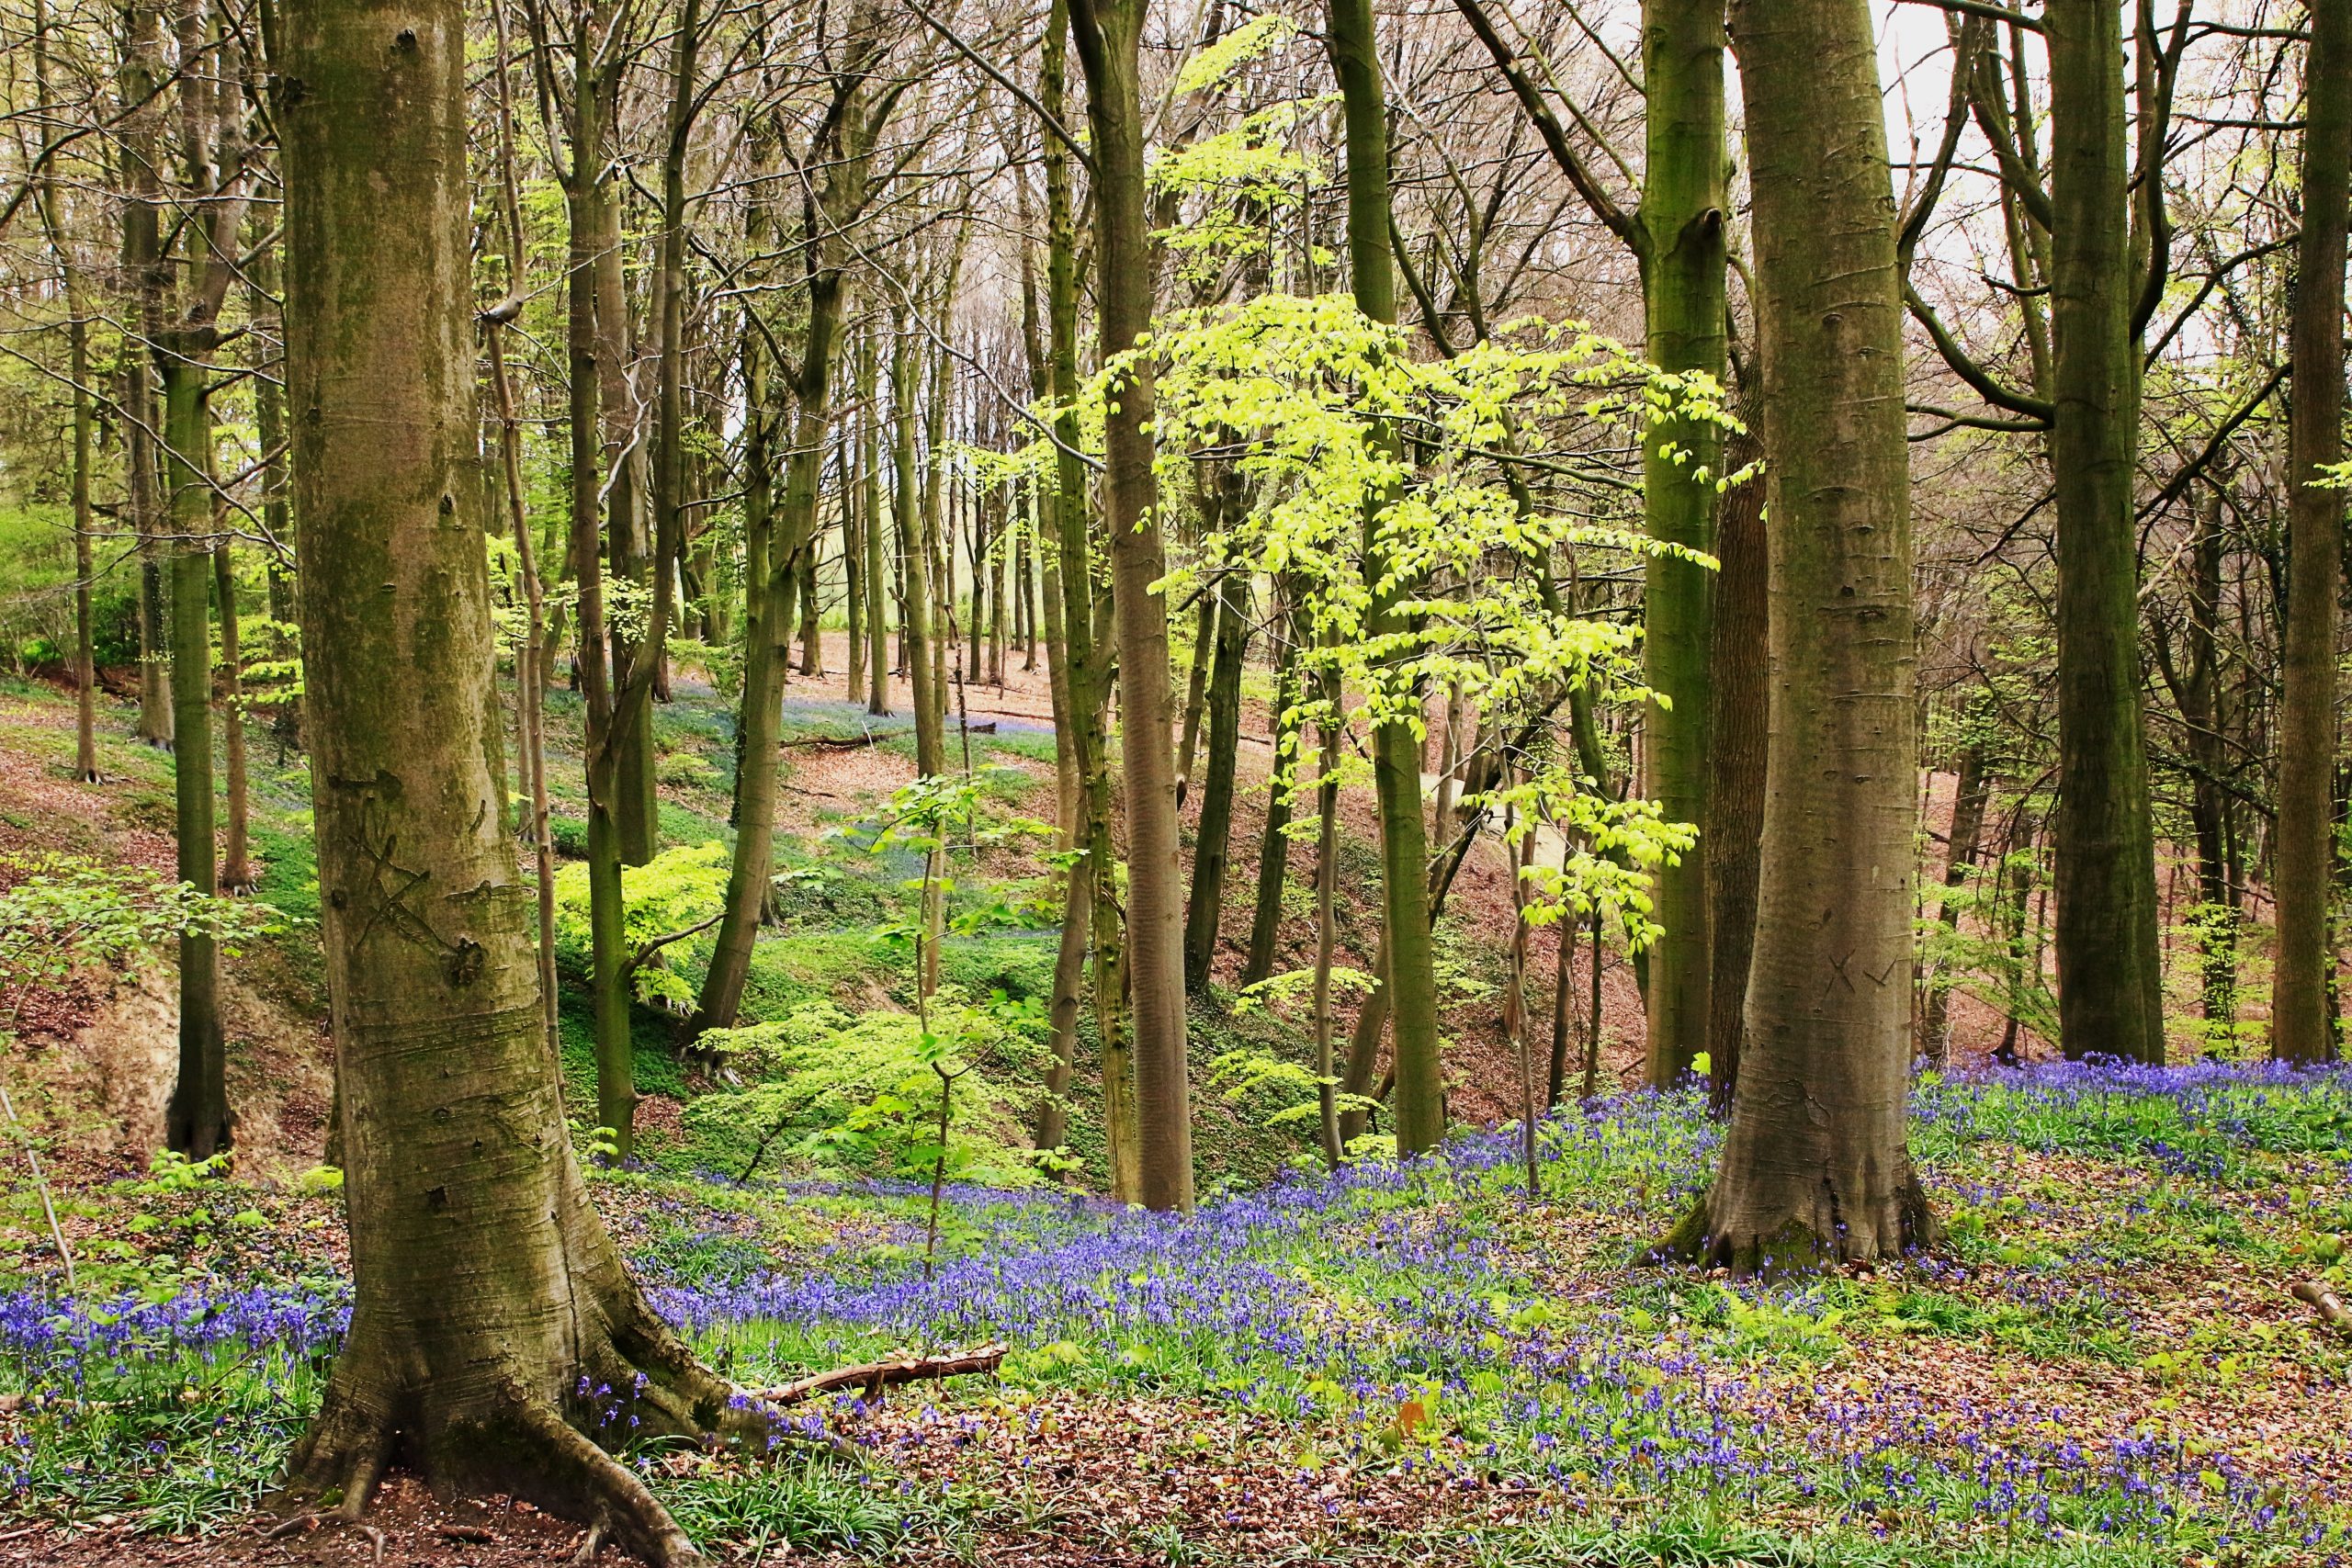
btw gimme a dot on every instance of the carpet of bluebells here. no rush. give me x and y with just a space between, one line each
2101 1365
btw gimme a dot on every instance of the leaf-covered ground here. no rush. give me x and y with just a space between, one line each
1391 1365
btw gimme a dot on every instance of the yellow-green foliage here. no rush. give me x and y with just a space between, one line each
859 1096
677 889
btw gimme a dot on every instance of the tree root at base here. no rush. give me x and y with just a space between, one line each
526 1448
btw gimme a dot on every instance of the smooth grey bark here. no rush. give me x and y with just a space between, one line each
1814 1171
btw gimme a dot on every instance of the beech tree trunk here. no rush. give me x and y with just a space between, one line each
2302 1004
1814 1170
1108 34
1737 742
1682 297
1408 981
2110 974
488 1292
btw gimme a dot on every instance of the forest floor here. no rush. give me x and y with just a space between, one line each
2102 1365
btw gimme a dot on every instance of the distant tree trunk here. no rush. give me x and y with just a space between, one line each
1273 844
1683 203
877 554
1196 695
2303 1014
2199 695
77 351
1737 745
1212 845
1563 980
1108 34
854 569
473 1243
86 669
1814 1170
2110 975
236 872
1410 982
914 549
1970 792
143 265
812 611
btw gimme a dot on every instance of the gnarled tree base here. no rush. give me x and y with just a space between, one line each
1803 1231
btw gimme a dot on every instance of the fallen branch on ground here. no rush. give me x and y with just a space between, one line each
876 1376
2326 1302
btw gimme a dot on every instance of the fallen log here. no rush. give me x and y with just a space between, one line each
876 1376
2326 1302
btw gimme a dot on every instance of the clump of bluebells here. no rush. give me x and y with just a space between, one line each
1533 1350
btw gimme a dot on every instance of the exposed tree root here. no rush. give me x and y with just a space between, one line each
1811 1237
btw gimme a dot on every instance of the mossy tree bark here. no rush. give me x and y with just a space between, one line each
2301 1001
1682 264
1108 34
1814 1170
1408 979
489 1294
2110 974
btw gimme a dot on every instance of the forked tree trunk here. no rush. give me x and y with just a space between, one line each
488 1292
2302 1006
1814 1170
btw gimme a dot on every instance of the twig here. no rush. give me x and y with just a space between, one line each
874 1376
2326 1302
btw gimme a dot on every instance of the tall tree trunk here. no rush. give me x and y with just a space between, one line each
2110 976
1814 1170
1683 202
853 567
488 1291
1212 845
1736 743
196 1123
1108 34
2302 1007
878 553
1408 981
